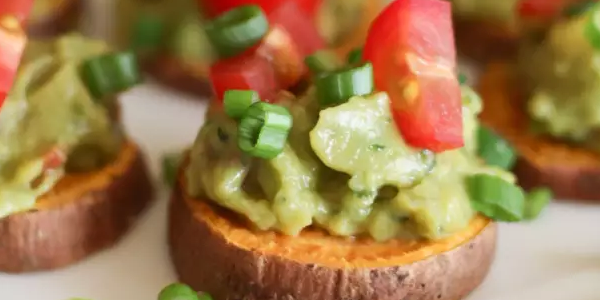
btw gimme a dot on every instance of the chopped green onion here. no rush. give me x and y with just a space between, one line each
263 130
355 56
322 61
496 198
109 74
494 150
579 8
592 28
178 291
236 102
462 78
236 30
338 86
148 32
537 199
170 167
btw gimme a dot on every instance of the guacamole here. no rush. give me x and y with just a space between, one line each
48 108
344 169
562 72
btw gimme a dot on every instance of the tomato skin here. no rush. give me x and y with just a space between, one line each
214 8
541 9
299 25
283 54
12 45
249 71
411 46
18 8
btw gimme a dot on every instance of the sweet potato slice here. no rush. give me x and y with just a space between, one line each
65 17
571 172
83 214
482 41
192 78
214 251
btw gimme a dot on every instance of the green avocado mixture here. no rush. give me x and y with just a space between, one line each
562 71
49 107
345 169
183 31
492 10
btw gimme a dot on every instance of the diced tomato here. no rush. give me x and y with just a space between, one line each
213 8
541 9
299 25
18 8
411 46
55 158
12 45
248 71
282 52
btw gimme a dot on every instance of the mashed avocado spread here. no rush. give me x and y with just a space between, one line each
49 107
562 72
345 169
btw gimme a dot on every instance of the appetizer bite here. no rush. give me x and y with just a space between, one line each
43 17
177 50
490 29
71 181
367 186
547 105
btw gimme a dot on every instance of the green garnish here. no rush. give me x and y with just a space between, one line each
495 150
338 86
537 200
178 291
376 147
496 198
355 56
322 61
148 33
236 102
263 130
170 167
592 28
462 78
236 30
110 74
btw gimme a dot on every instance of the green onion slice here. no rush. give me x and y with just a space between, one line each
592 28
177 291
322 61
537 200
355 56
148 33
263 130
462 78
109 74
338 86
236 102
494 150
170 166
236 30
496 198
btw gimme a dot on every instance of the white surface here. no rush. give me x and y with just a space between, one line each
557 257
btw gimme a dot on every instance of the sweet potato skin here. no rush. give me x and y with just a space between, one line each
208 262
52 238
572 172
62 21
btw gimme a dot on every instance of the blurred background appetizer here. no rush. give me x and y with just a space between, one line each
177 50
548 105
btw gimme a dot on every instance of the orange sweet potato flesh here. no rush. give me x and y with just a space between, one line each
82 215
192 78
571 172
214 251
65 18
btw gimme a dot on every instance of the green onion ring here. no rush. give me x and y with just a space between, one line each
263 130
236 102
337 87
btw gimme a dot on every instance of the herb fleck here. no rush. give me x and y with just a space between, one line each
376 147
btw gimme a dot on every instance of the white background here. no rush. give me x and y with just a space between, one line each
557 257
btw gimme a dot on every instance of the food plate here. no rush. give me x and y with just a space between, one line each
557 257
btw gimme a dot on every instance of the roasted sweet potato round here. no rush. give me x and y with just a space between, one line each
62 17
571 172
83 214
214 251
192 78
